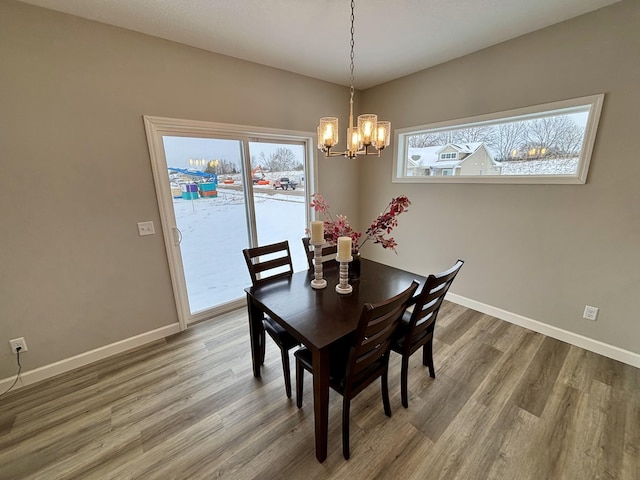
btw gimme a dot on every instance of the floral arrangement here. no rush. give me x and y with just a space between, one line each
377 231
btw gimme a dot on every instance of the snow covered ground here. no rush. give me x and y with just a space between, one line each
555 166
214 232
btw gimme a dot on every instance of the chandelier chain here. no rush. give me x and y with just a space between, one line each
352 45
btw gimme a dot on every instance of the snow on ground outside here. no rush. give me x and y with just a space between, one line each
557 166
214 232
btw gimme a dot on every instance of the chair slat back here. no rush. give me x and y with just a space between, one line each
427 306
268 262
369 355
328 252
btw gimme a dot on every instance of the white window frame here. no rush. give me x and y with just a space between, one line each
593 103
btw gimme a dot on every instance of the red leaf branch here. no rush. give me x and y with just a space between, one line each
377 231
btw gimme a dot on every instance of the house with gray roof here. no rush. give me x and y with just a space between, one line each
452 159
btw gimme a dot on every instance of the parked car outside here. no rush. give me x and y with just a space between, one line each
284 183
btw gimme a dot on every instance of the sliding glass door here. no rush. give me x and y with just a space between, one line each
220 192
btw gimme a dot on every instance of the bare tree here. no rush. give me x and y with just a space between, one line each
423 140
281 160
570 142
483 133
226 167
551 135
508 139
449 136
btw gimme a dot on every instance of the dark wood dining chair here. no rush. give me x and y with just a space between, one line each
356 364
329 252
266 264
415 329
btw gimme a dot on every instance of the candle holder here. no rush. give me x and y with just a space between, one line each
344 287
317 282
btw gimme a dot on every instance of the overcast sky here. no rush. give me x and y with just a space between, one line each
179 150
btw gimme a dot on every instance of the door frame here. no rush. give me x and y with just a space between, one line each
156 128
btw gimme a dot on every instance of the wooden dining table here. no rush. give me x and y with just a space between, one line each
319 318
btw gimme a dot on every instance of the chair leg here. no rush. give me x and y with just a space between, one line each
263 346
299 383
404 373
385 394
286 370
427 358
346 405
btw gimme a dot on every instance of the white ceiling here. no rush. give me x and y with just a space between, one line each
393 38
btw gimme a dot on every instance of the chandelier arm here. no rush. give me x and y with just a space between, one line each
328 153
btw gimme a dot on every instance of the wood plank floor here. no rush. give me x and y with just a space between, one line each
507 403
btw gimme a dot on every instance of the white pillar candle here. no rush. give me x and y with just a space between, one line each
317 232
344 248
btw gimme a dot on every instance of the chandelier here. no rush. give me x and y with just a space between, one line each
370 137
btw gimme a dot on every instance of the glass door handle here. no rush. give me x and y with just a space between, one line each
177 236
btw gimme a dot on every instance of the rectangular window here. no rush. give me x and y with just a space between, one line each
550 143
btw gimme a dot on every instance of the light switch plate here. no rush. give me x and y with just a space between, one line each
146 228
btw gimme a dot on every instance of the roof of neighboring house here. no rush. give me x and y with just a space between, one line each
426 156
429 157
462 147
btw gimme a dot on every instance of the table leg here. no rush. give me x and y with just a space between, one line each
256 335
321 400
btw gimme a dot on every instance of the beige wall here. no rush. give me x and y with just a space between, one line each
553 248
76 175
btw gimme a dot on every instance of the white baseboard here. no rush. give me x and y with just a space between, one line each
63 366
595 346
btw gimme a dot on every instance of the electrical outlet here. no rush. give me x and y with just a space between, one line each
590 313
18 343
146 228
